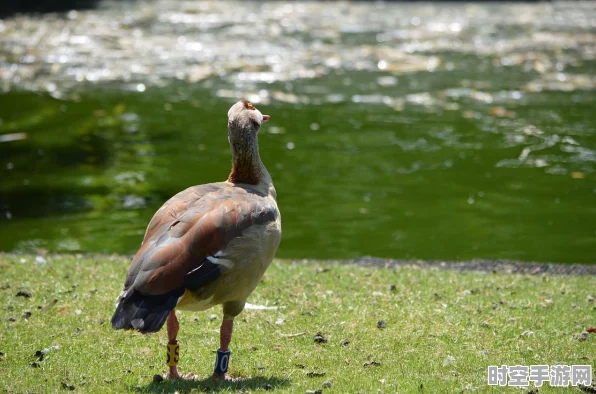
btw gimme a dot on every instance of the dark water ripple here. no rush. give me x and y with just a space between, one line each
399 130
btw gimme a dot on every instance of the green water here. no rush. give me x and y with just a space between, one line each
409 147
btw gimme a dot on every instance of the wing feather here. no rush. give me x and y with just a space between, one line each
188 229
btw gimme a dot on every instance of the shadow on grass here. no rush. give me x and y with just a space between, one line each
185 386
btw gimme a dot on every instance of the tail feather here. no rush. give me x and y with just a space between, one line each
145 313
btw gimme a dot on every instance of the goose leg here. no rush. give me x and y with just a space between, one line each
223 354
173 349
225 334
173 355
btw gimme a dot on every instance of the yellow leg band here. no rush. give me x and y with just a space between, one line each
173 354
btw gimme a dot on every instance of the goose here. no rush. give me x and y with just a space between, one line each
207 245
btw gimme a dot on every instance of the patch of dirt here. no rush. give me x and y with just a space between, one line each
313 374
24 294
478 265
319 338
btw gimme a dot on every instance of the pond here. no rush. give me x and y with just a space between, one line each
418 131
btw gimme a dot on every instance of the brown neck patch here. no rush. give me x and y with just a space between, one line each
244 175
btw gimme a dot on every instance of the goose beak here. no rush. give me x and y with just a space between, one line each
266 118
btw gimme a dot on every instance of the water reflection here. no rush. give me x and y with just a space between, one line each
152 43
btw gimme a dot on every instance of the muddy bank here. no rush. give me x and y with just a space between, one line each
476 265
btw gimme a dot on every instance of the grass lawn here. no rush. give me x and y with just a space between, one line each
440 330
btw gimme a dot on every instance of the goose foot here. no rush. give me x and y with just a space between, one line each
216 377
220 377
174 374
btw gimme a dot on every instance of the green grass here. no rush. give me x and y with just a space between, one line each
478 319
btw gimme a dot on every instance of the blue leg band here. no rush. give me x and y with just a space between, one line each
222 361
